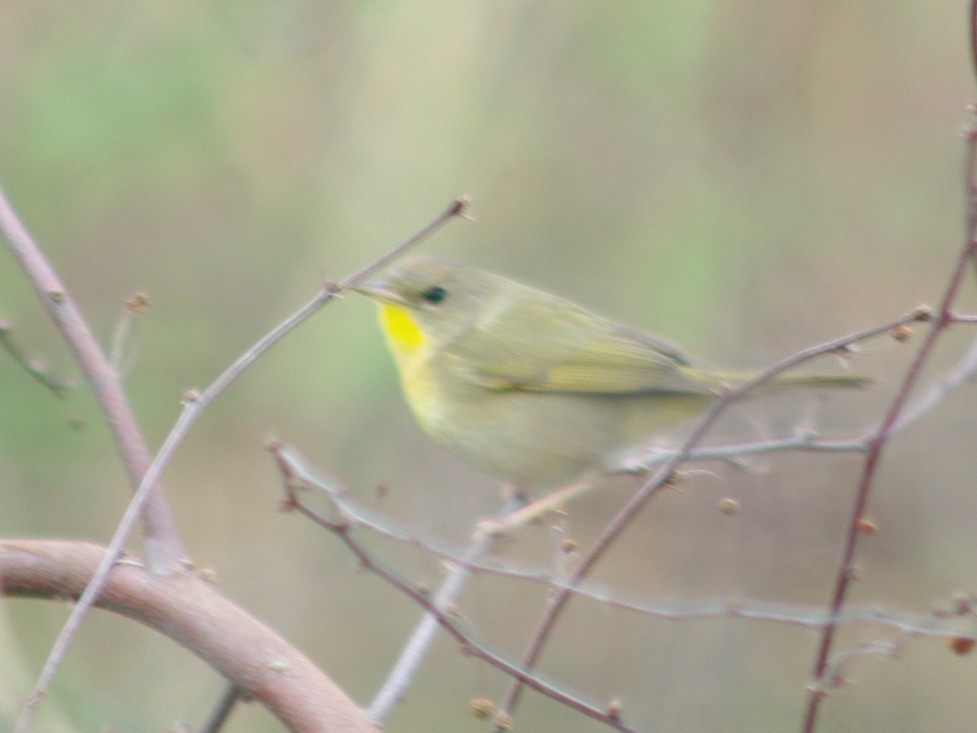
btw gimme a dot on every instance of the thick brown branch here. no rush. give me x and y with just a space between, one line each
188 610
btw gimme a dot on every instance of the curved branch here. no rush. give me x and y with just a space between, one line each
188 610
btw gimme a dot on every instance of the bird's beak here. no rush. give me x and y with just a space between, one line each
380 291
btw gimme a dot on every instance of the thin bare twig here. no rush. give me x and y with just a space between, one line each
38 373
225 706
354 515
822 681
415 650
123 354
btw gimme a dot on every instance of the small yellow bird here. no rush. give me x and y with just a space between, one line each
529 387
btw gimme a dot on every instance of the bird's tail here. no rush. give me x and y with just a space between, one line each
790 381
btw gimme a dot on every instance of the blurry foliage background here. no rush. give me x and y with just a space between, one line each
746 178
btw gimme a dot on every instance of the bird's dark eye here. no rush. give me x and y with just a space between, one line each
434 294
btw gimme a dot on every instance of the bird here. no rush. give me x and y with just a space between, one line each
534 389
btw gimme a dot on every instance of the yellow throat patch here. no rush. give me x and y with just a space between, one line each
412 349
401 331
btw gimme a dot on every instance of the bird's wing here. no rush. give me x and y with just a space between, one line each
578 356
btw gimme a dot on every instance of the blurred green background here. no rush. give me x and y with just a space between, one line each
746 178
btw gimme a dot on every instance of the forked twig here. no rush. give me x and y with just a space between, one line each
437 610
823 680
163 548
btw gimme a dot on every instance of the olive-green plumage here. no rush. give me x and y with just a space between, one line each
530 387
